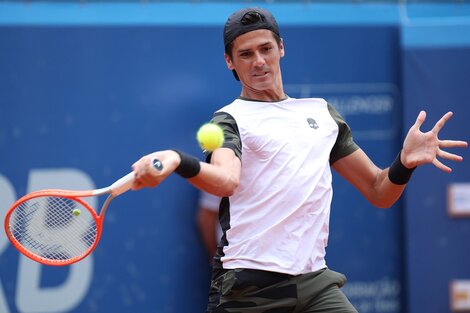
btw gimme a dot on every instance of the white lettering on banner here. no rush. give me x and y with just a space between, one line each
31 297
381 296
375 99
7 197
363 104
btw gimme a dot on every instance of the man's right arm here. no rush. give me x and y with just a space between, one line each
220 177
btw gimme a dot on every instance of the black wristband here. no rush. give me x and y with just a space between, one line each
189 165
398 173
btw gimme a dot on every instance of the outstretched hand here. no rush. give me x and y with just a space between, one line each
421 148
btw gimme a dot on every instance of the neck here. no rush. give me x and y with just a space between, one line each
276 94
265 96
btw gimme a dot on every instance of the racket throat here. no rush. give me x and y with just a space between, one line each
105 206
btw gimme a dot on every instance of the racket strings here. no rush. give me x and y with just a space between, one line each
48 227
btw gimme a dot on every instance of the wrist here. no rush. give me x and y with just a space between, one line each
404 160
189 165
398 173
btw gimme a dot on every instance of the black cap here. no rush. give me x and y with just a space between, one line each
247 20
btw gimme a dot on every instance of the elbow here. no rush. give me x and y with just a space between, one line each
228 189
226 192
383 198
381 203
232 185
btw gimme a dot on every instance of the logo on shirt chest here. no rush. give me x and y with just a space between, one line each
312 123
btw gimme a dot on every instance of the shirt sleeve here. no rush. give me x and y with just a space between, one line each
344 144
231 134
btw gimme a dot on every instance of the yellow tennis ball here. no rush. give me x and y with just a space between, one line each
76 212
210 136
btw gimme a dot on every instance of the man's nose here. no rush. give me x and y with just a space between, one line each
259 60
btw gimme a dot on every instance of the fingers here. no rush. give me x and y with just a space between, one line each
426 147
453 144
144 181
153 168
146 172
149 178
139 184
441 122
449 156
420 119
441 166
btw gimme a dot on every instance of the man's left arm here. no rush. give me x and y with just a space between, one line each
382 187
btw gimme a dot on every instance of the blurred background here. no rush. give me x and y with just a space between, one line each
88 87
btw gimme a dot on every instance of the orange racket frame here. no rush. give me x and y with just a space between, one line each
120 186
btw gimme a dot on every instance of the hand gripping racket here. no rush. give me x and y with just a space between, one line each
57 227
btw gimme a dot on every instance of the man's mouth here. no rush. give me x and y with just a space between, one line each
260 74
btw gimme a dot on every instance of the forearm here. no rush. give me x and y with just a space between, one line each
391 182
385 193
221 176
373 183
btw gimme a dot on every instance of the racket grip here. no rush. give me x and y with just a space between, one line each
122 185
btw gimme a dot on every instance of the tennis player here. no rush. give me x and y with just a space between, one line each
274 174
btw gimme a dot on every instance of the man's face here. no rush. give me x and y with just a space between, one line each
255 58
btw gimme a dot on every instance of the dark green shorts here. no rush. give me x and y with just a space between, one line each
254 291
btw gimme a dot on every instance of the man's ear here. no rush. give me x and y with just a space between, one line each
228 61
281 48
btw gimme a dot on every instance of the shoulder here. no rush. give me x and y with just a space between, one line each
231 107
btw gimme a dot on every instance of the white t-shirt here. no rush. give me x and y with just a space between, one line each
278 218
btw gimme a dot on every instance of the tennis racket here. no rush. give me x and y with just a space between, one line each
57 227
